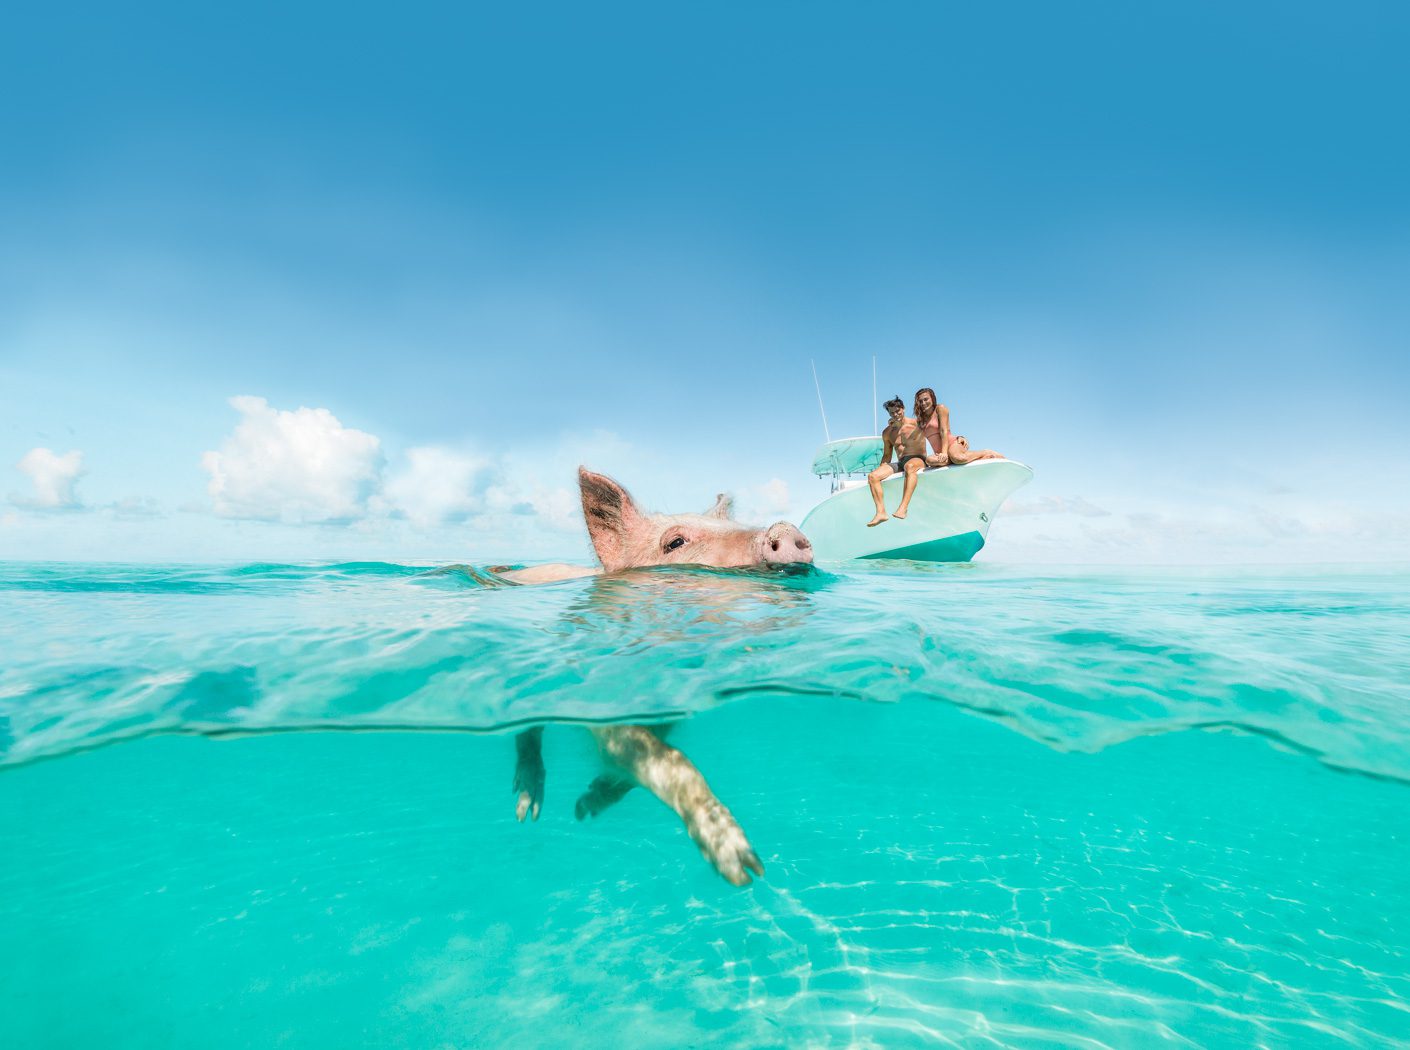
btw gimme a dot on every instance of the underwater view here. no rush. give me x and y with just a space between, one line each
274 805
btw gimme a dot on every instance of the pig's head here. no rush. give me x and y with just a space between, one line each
626 537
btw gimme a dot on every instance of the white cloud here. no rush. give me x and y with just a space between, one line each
1055 505
765 503
442 486
1217 531
134 507
558 508
304 466
299 466
438 486
53 476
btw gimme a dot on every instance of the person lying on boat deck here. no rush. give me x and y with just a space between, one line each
933 419
906 438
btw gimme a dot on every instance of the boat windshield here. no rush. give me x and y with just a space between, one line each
846 456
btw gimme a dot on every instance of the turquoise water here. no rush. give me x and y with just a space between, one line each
271 806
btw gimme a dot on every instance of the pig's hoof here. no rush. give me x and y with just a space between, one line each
723 844
601 793
528 781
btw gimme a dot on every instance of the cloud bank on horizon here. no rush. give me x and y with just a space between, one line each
304 467
324 490
321 486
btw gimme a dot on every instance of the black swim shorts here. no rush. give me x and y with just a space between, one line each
900 468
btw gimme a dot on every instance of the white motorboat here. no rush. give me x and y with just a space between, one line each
949 516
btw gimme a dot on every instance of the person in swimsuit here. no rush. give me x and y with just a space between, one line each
933 419
902 435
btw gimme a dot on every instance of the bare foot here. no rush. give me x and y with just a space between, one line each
876 520
899 514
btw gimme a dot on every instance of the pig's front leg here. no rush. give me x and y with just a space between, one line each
528 772
606 790
672 778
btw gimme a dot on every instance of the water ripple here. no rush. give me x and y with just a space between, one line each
1313 661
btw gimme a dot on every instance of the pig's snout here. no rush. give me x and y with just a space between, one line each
784 544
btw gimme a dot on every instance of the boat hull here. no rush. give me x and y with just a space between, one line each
949 517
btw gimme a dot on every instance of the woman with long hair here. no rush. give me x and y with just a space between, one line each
933 419
947 449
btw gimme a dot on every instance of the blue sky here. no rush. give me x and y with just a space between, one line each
1159 252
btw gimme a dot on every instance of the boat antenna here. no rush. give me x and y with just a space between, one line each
873 393
826 433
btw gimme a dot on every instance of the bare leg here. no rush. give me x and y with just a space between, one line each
672 778
912 476
528 772
604 791
961 453
874 480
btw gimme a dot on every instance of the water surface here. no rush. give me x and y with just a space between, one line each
269 805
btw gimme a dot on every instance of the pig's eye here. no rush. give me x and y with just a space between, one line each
676 544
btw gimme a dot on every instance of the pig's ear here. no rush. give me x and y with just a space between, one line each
723 508
612 518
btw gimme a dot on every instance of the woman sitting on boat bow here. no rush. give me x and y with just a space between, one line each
934 421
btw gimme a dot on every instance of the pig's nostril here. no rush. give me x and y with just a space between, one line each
773 545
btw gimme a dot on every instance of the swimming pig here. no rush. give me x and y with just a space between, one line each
625 537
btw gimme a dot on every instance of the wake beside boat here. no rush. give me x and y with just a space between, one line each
949 517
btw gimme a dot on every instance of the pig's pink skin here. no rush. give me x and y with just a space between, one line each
624 537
